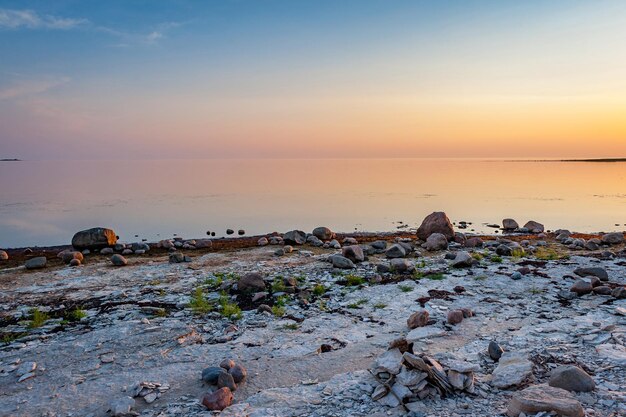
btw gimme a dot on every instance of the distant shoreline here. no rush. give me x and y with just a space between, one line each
10 160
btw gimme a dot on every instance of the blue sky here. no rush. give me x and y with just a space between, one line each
290 78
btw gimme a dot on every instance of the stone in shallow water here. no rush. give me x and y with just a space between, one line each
513 369
544 398
436 222
571 378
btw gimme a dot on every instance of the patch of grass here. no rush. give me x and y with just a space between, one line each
229 309
358 303
300 278
9 337
535 290
480 278
478 256
496 259
417 274
281 301
161 312
319 289
74 315
153 282
162 292
547 254
198 303
436 277
420 264
322 305
379 306
517 253
405 288
38 318
291 326
278 310
278 285
354 280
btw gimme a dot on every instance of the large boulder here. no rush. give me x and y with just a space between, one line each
595 271
534 227
436 222
571 378
540 398
509 224
218 400
36 263
613 238
323 233
513 369
4 256
96 238
436 241
252 281
295 237
354 253
341 262
396 251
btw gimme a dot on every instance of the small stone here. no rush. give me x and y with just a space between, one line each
571 378
598 272
225 379
323 233
36 263
263 241
354 253
495 351
396 251
435 242
401 266
121 406
613 238
455 316
462 260
252 281
4 256
512 370
509 224
239 373
211 374
418 319
582 287
26 368
534 227
341 262
218 400
118 260
227 364
515 276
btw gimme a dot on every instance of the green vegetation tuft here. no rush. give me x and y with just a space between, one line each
319 289
74 315
198 303
229 309
358 303
38 318
278 285
547 254
480 278
380 305
278 310
291 326
354 280
405 288
496 259
478 256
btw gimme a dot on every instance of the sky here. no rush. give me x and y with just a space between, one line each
124 79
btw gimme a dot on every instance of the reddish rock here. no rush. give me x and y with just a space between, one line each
582 287
455 316
602 290
539 398
436 222
418 319
467 312
218 400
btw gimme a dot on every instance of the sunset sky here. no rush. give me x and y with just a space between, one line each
312 79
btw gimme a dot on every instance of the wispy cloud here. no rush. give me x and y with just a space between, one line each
127 39
29 19
27 87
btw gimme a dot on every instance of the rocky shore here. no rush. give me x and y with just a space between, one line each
432 322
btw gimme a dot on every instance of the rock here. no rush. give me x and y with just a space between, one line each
75 262
512 370
379 245
204 244
436 222
582 287
460 238
241 232
354 253
229 231
341 262
118 260
516 276
383 268
402 266
263 241
4 256
613 238
26 368
396 251
350 241
239 373
67 255
571 378
427 332
538 398
409 377
251 282
121 406
504 250
474 242
435 242
106 251
509 224
177 258
613 353
165 244
418 319
534 227
127 252
227 364
462 260
390 361
334 244
598 272
314 240
295 237
323 233
602 290
218 400
397 391
619 293
455 316
226 380
495 351
211 374
36 263
96 238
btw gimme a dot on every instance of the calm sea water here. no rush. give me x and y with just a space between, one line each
46 202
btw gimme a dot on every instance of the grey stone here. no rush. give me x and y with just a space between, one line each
571 378
341 262
36 263
295 237
538 398
598 272
354 253
509 224
513 369
435 242
396 251
462 260
323 233
252 281
95 238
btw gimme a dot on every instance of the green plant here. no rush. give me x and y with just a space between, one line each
478 256
420 264
300 278
278 310
354 280
496 259
38 318
517 253
229 309
547 254
281 301
480 278
405 288
75 315
161 312
322 305
380 305
358 303
278 285
198 302
291 326
535 290
9 337
319 289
